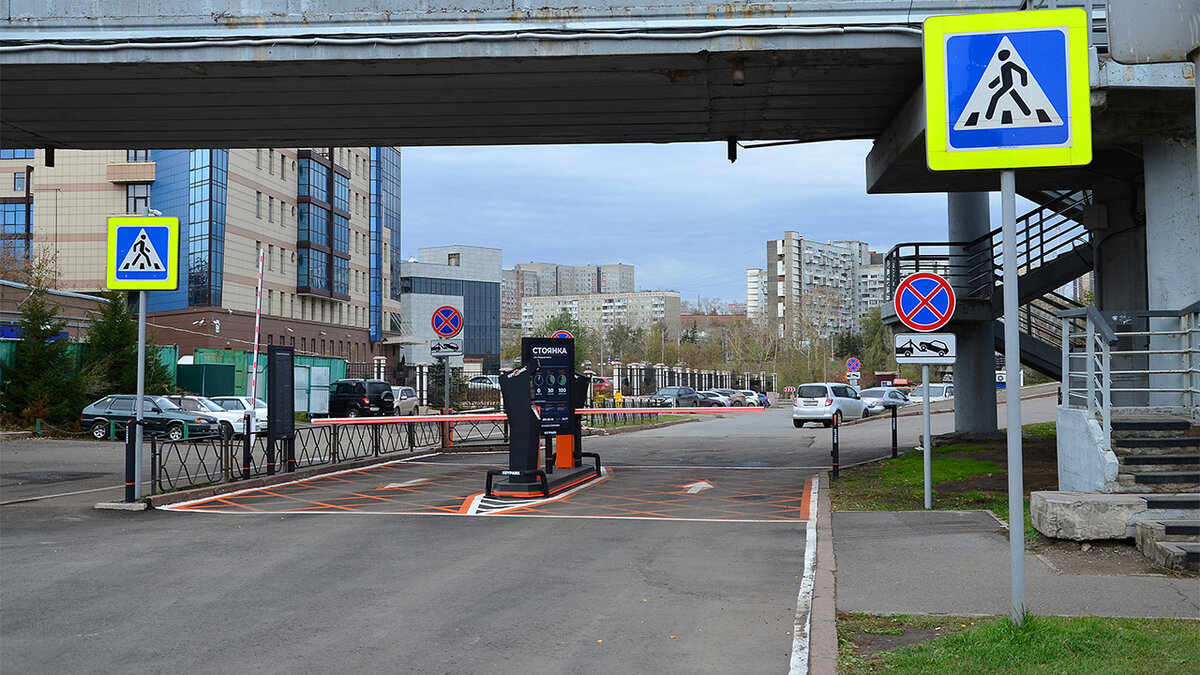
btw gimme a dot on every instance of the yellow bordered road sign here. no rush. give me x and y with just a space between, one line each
143 253
1007 90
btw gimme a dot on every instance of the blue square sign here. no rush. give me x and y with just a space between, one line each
142 253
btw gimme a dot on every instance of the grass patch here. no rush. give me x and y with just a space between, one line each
909 469
1069 645
1039 431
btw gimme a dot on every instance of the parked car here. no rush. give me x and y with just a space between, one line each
736 398
763 400
602 385
232 423
712 399
162 417
674 397
825 401
405 400
880 398
361 398
484 382
752 397
937 392
241 405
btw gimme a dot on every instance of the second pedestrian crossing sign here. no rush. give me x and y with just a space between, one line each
1007 90
143 253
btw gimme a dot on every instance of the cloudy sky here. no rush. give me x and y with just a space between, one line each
681 214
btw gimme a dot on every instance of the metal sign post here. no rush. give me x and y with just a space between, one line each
447 322
1007 91
142 255
926 349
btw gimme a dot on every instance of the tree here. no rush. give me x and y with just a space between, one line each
879 349
110 355
622 340
41 382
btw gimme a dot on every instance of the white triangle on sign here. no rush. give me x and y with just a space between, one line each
141 256
1007 96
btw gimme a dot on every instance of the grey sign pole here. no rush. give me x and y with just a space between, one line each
926 429
141 396
1012 394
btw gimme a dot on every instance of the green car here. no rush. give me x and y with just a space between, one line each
162 417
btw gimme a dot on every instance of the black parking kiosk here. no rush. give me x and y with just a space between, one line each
540 399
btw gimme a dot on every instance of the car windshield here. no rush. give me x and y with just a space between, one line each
811 391
872 393
668 391
161 402
259 403
934 390
209 404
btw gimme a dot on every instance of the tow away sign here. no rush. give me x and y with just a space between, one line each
926 348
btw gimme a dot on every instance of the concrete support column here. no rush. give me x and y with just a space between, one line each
968 219
1121 271
1173 255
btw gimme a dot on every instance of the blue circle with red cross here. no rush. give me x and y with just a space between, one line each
924 301
563 335
447 321
853 364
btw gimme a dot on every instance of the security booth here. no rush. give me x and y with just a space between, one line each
540 400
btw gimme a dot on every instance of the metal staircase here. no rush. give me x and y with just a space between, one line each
1053 250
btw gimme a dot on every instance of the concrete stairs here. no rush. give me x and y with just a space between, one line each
1158 502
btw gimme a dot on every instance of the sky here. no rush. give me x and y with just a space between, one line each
681 214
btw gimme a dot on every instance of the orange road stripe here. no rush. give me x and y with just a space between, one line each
466 505
805 502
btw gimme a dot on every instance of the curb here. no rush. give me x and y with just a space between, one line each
823 640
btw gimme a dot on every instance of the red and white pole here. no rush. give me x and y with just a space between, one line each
257 316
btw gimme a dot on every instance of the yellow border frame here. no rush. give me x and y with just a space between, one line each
1074 20
171 258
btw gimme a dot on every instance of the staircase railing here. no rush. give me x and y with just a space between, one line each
974 267
1134 362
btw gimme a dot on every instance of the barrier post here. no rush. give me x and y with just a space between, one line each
130 461
894 444
834 452
246 450
375 439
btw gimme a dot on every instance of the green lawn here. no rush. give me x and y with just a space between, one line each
1060 645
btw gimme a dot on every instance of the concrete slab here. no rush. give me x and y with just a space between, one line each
1084 516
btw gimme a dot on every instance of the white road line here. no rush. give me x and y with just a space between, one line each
803 622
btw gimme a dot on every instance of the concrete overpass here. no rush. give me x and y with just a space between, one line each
241 73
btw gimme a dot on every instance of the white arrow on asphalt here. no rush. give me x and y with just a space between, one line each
698 486
408 483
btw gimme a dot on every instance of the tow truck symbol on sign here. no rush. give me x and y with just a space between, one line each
932 346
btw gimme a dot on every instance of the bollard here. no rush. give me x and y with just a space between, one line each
37 427
246 450
130 461
834 452
894 445
290 449
154 450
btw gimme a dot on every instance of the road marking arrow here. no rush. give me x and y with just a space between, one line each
405 484
698 487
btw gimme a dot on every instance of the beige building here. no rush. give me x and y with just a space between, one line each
328 255
598 311
815 290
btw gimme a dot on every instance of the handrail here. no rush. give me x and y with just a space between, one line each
1093 315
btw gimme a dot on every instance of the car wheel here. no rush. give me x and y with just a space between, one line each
352 412
798 424
99 430
866 413
226 431
413 412
175 432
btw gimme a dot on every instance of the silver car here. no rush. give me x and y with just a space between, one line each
406 400
826 401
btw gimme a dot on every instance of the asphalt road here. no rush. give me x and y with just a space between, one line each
99 591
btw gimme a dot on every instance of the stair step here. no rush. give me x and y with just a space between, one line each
1163 442
1161 462
1150 424
1177 501
1167 477
1176 555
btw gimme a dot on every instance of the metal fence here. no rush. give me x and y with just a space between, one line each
610 420
208 460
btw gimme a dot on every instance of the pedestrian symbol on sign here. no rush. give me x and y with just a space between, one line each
1007 96
141 256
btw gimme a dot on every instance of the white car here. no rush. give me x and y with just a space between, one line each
406 400
241 405
826 401
231 422
937 392
879 399
485 381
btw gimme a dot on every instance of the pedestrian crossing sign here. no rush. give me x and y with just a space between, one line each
143 253
1007 90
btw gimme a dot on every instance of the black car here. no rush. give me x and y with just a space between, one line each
674 397
162 417
361 398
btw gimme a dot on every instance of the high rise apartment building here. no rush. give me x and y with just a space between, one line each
599 311
756 294
326 222
538 279
814 289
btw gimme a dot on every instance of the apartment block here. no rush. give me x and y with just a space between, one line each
325 222
756 293
598 311
814 289
535 279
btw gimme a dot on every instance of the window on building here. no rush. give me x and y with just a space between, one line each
258 205
271 257
271 162
137 155
282 166
258 158
18 182
18 153
270 209
270 300
303 341
137 197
